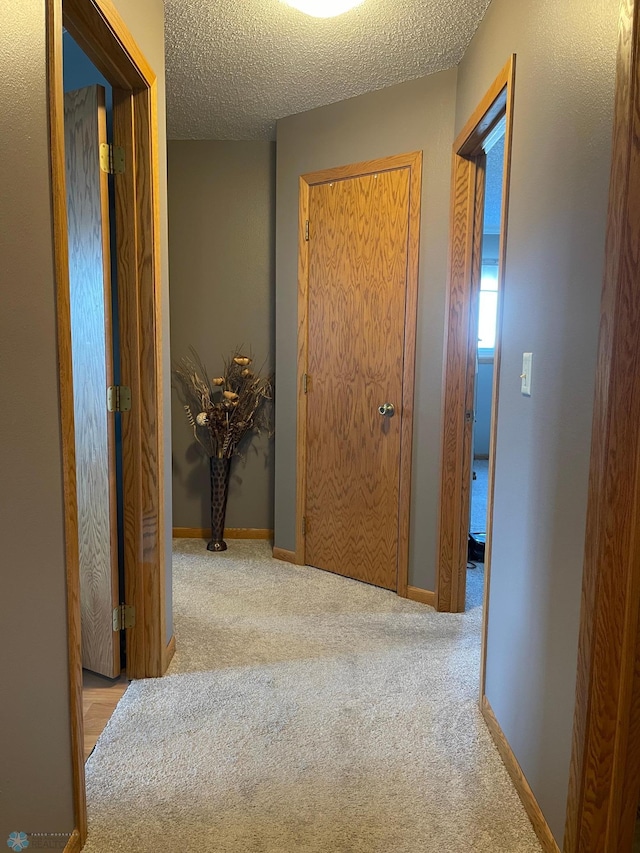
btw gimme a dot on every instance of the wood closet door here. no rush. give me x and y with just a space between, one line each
92 358
358 246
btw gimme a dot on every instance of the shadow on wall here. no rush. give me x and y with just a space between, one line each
191 475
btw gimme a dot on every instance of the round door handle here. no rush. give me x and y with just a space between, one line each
387 410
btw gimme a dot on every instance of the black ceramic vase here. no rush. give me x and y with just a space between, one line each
219 470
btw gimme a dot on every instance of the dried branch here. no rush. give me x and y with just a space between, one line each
225 411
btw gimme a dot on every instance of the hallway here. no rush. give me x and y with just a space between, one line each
303 712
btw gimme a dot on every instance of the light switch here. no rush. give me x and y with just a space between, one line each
525 376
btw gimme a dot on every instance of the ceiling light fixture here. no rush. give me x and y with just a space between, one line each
323 8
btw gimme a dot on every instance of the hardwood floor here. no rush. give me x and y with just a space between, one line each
99 699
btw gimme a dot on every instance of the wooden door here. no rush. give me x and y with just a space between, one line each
91 343
357 290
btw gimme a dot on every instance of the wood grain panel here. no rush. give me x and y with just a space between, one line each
411 160
137 214
408 370
91 339
149 367
285 556
304 190
67 420
424 596
75 842
132 426
538 821
456 380
459 573
605 764
357 298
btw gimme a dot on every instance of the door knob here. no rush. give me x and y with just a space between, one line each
387 410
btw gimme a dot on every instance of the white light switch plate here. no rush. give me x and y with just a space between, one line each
526 373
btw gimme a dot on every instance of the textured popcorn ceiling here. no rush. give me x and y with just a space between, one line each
235 66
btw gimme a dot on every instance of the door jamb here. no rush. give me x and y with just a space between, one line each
467 191
605 762
413 162
102 34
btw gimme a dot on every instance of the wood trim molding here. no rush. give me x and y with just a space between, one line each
464 267
533 810
486 115
74 844
366 167
605 762
67 420
303 352
454 490
142 308
423 596
169 652
95 25
229 533
413 162
409 367
285 556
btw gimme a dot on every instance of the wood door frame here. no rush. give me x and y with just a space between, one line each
467 201
605 763
100 31
413 162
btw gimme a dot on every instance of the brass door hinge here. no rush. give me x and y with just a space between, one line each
306 231
305 382
111 159
124 616
118 398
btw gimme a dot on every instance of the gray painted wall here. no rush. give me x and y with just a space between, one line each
559 180
35 763
35 767
484 393
412 116
222 242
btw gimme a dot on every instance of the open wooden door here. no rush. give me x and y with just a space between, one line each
92 358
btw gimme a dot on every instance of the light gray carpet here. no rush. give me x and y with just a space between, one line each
303 712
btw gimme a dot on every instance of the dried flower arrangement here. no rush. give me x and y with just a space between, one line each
224 410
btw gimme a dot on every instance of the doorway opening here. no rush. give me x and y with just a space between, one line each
95 355
474 300
99 31
487 328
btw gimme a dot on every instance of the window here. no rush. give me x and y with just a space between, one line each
488 309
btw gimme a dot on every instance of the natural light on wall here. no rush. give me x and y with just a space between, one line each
323 8
488 308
